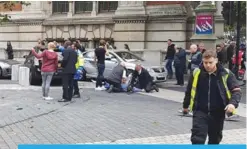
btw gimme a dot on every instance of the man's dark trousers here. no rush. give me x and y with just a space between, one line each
207 124
179 71
100 77
116 86
67 80
76 87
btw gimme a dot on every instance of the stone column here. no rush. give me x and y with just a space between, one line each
70 13
95 8
204 30
219 8
130 8
129 17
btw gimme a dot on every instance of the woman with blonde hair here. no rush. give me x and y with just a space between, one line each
48 68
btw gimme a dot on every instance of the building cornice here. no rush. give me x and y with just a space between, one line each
123 19
23 22
174 18
76 21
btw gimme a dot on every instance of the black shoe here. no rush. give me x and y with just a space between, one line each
176 84
181 84
63 100
110 89
76 96
156 89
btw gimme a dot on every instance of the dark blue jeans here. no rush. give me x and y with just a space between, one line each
169 67
100 77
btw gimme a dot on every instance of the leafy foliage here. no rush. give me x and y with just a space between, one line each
230 13
9 5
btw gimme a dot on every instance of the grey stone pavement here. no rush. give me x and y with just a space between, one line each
98 117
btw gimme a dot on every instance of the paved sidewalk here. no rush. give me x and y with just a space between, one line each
98 117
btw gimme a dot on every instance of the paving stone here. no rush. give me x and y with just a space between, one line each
104 118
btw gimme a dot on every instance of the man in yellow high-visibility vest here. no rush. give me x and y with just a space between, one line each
212 92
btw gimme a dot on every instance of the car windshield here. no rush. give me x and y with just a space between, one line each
129 57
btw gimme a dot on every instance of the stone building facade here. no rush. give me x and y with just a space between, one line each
143 25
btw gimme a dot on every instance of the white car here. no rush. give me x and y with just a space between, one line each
115 57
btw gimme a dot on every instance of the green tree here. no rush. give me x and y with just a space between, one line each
8 5
230 13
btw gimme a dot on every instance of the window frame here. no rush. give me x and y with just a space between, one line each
106 10
85 11
57 3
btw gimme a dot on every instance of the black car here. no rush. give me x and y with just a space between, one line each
35 67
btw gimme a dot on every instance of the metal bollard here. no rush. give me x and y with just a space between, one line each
15 72
24 76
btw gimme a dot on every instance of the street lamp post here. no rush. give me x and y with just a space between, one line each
238 38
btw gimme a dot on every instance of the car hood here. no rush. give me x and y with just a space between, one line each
10 62
146 64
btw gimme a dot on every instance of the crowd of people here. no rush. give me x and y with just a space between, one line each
213 91
176 56
72 70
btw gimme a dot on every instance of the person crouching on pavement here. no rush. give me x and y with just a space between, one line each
116 77
79 70
48 68
124 85
212 93
145 81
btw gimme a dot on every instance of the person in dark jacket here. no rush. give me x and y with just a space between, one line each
116 77
145 81
201 47
180 64
196 57
209 100
230 53
220 54
9 50
69 70
170 57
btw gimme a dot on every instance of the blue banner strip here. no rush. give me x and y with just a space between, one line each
124 146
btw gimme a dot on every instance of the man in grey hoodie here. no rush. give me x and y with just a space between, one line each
116 77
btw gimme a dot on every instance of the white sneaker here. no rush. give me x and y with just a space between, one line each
98 89
103 88
48 98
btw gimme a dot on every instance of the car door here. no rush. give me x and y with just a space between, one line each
89 64
110 62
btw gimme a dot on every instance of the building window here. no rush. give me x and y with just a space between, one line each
83 6
60 6
108 6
